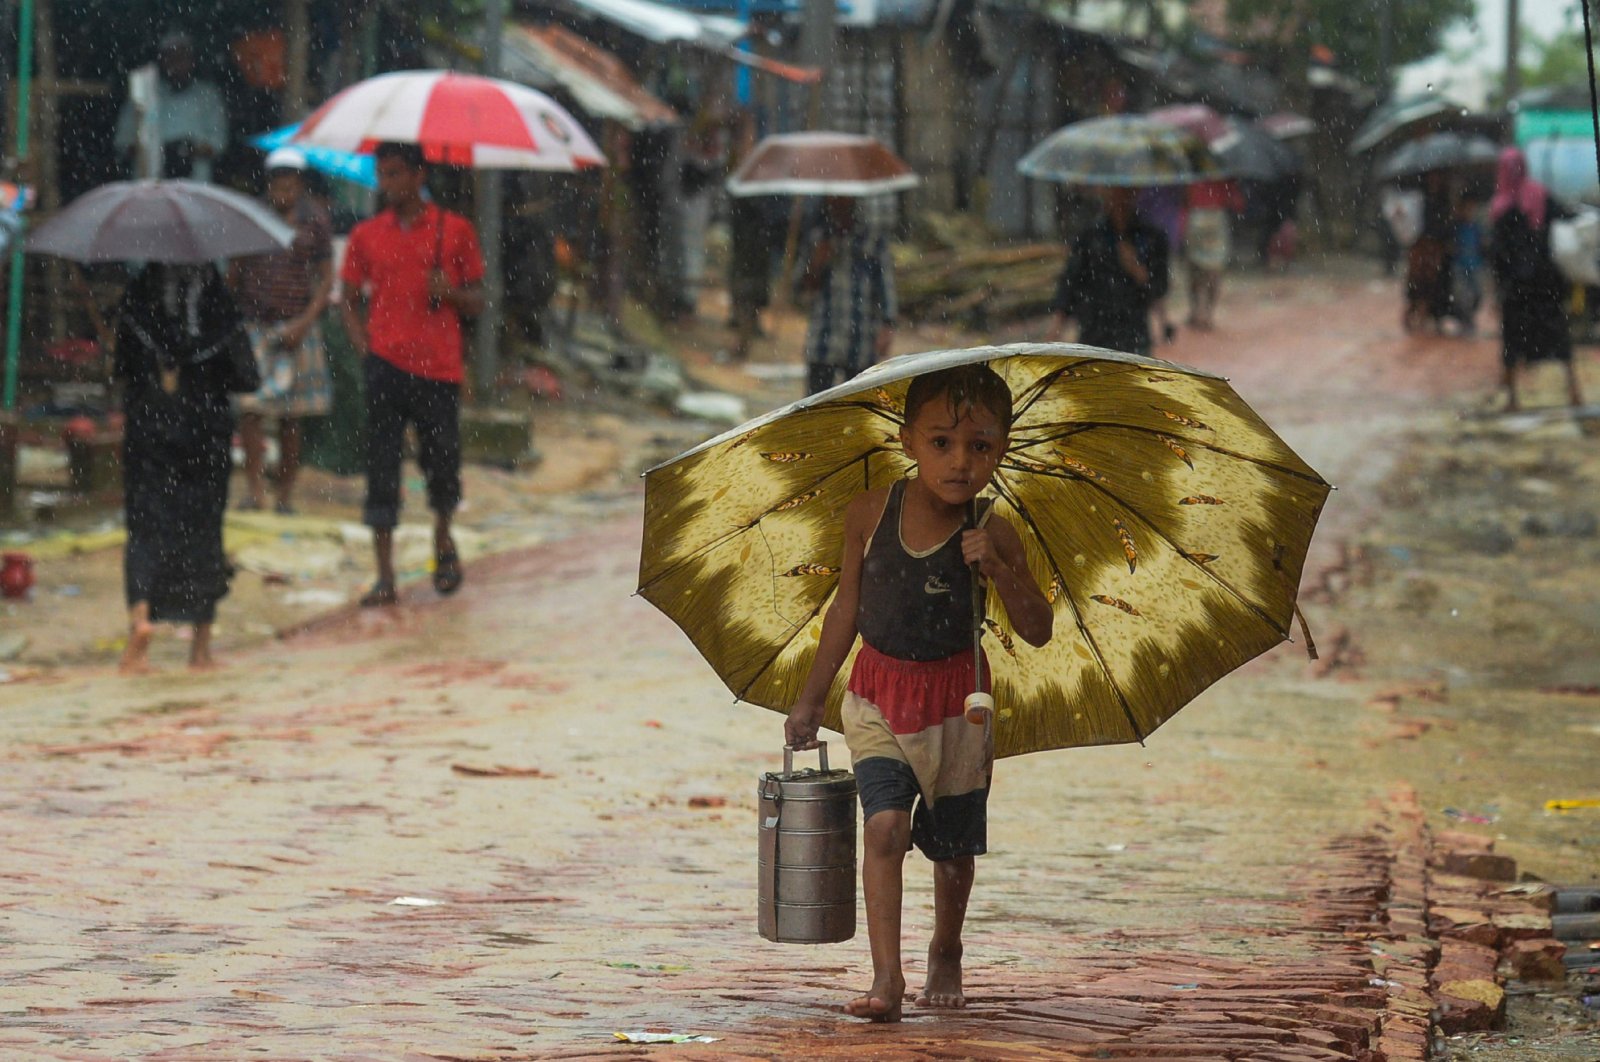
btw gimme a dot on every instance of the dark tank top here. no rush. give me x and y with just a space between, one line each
914 606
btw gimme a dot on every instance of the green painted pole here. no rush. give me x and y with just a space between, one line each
14 301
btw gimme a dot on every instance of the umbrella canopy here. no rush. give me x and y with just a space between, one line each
345 165
1167 521
161 221
458 119
1242 149
1197 119
1249 151
1408 113
842 164
1438 151
1121 151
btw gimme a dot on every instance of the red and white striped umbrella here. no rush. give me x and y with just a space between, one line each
458 119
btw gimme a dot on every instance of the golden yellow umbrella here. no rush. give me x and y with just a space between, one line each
1166 520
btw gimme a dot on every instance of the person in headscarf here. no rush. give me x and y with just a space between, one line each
181 350
1533 321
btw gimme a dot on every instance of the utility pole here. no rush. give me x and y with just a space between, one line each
1513 50
491 207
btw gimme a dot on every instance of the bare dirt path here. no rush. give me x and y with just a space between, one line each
561 797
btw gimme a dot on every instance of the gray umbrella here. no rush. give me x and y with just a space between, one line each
1246 150
161 221
1441 151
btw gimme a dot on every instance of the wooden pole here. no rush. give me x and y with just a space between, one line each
297 40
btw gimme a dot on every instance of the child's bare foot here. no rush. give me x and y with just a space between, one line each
943 986
882 1002
202 661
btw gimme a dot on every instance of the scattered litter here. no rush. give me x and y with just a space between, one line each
665 967
413 901
69 590
1482 818
708 802
1570 805
1378 982
1116 848
663 1038
1189 986
654 724
315 596
497 771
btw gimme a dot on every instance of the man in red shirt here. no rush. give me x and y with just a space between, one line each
410 274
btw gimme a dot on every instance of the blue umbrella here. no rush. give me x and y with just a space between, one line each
345 165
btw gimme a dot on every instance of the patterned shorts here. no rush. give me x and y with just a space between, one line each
912 749
295 381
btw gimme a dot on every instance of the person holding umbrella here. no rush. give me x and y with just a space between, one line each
912 551
850 275
410 275
1116 271
181 349
1533 324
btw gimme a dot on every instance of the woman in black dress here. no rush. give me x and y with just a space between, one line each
181 349
1533 321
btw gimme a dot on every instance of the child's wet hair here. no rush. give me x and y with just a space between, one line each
964 387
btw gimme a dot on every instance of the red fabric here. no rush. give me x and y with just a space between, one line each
1514 188
391 262
1217 195
461 112
913 695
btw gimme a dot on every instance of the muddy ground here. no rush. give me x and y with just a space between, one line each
205 866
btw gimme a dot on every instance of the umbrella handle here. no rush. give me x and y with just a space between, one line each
980 705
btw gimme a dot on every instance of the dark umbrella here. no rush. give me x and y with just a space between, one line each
1418 114
1246 150
161 221
1441 151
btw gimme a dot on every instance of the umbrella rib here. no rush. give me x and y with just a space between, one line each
1083 426
719 540
1133 510
1077 614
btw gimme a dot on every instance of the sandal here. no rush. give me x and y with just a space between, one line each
381 595
447 574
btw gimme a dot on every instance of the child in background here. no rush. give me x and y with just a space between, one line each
905 586
1466 284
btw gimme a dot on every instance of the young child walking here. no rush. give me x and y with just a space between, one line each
905 586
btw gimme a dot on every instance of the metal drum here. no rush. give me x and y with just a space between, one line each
807 854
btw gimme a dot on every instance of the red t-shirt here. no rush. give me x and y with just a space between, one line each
391 262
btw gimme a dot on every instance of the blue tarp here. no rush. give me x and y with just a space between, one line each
345 165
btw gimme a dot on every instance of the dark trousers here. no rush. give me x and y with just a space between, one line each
820 376
396 398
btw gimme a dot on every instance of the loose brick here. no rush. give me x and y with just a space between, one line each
1536 960
1480 865
1471 1006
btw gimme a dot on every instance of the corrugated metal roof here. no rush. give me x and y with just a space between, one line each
596 80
